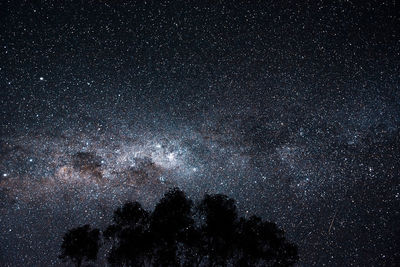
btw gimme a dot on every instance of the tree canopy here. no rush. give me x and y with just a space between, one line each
179 233
81 243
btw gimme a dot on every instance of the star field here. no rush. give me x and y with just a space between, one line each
292 108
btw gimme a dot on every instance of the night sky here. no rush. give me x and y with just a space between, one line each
290 107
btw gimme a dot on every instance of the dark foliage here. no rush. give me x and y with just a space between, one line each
170 221
79 244
263 243
218 232
130 236
169 236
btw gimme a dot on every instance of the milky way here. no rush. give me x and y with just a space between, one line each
291 110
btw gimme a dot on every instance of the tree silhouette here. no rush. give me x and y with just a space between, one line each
81 243
130 236
170 236
170 221
263 243
218 231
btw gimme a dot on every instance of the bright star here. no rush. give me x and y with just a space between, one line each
171 156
